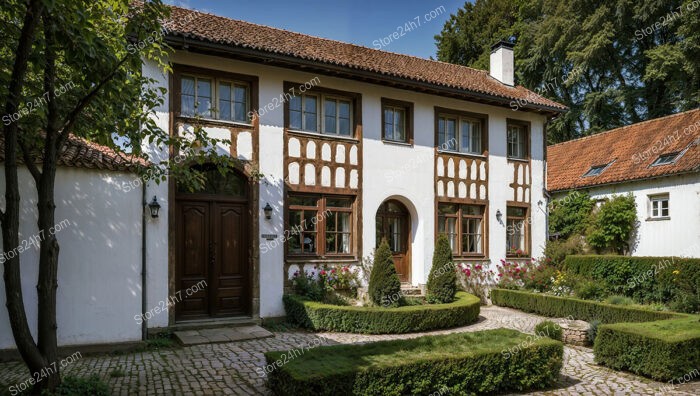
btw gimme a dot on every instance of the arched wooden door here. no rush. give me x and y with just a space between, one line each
393 223
212 247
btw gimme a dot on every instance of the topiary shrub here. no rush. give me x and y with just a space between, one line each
384 283
549 329
442 281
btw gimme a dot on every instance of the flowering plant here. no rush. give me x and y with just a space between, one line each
510 275
475 278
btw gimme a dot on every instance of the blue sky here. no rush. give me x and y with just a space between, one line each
362 22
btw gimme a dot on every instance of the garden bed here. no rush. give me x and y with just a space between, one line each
561 307
379 320
455 364
662 350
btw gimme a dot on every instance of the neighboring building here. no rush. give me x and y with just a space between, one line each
352 144
658 161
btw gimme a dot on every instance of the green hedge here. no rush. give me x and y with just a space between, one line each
379 320
562 307
662 350
454 364
645 279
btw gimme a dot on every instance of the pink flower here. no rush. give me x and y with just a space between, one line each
477 267
322 273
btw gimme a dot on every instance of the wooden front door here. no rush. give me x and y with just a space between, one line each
212 250
392 224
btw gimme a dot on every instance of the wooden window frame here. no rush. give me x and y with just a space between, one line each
526 229
321 208
459 216
216 76
408 122
459 115
528 137
355 100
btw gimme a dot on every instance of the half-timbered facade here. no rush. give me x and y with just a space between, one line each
340 147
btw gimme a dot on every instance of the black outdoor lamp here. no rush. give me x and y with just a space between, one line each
499 216
268 211
154 207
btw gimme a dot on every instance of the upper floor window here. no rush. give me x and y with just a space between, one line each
464 227
658 206
214 98
321 113
517 136
397 120
461 132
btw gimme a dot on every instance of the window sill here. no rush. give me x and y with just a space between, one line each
526 160
658 218
397 143
322 135
480 156
319 259
215 121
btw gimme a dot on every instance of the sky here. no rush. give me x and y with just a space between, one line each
373 24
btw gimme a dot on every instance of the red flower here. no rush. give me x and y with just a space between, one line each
477 267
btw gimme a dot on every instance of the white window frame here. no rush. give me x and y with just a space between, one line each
656 206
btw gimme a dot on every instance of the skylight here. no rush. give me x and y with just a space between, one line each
595 170
665 159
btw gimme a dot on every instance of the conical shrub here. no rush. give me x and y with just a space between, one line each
384 285
442 281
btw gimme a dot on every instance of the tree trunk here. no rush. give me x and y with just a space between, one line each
10 217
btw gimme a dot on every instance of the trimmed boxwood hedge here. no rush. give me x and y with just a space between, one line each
454 364
662 350
562 307
379 320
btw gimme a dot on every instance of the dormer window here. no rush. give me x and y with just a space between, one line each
665 159
596 170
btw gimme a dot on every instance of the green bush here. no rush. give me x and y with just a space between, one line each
619 300
442 280
592 331
589 290
662 350
562 307
380 320
668 280
549 329
570 215
613 224
557 251
72 386
455 364
384 284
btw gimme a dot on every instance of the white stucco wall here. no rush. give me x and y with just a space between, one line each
99 273
677 236
389 171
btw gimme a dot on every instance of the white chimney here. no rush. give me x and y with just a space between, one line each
502 66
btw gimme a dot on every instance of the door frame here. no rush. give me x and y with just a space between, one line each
408 226
251 199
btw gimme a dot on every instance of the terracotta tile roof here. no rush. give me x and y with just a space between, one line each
631 149
80 153
204 27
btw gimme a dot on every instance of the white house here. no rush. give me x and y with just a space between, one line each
658 161
351 145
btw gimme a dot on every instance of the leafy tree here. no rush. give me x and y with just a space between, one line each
442 280
611 62
384 284
67 69
613 225
570 215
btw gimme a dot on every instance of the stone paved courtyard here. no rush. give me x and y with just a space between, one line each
230 368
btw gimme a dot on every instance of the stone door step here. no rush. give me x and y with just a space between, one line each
220 335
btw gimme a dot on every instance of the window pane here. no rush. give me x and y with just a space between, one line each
441 133
310 220
302 200
204 97
224 101
187 87
388 123
400 125
330 221
225 91
344 110
241 103
476 138
295 112
329 114
310 114
295 228
187 96
344 221
447 208
516 211
339 202
451 131
344 126
187 105
344 244
473 210
464 138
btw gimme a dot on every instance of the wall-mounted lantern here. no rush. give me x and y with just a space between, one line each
499 216
154 207
268 211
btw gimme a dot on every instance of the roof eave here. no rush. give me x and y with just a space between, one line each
275 59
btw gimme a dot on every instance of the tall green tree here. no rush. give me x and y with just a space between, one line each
611 62
66 67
